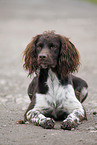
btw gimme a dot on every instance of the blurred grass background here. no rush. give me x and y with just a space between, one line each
92 1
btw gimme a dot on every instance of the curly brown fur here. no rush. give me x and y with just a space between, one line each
68 60
69 57
30 57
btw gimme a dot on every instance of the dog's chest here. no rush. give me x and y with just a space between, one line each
56 92
57 97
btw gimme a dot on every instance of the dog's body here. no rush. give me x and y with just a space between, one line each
55 93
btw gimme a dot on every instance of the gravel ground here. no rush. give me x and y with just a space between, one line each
20 20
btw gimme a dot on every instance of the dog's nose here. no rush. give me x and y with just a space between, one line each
43 56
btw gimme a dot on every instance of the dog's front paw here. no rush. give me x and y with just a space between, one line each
68 125
48 124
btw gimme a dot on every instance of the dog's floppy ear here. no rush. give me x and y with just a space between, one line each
69 57
30 56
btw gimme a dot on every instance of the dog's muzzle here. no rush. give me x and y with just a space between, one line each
45 59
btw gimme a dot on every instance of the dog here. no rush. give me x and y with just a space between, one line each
55 93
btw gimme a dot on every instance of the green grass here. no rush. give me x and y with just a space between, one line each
92 1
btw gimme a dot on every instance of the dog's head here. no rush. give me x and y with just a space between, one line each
50 50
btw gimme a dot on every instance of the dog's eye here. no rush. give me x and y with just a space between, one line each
53 47
39 48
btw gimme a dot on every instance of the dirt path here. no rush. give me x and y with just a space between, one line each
20 20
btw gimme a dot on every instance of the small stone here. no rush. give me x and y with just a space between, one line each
4 125
94 131
9 96
94 113
53 133
10 130
91 128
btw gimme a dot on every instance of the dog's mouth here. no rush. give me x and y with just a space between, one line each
45 65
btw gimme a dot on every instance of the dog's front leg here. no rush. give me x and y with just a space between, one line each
36 117
72 120
75 110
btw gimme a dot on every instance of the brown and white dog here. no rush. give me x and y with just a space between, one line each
55 93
